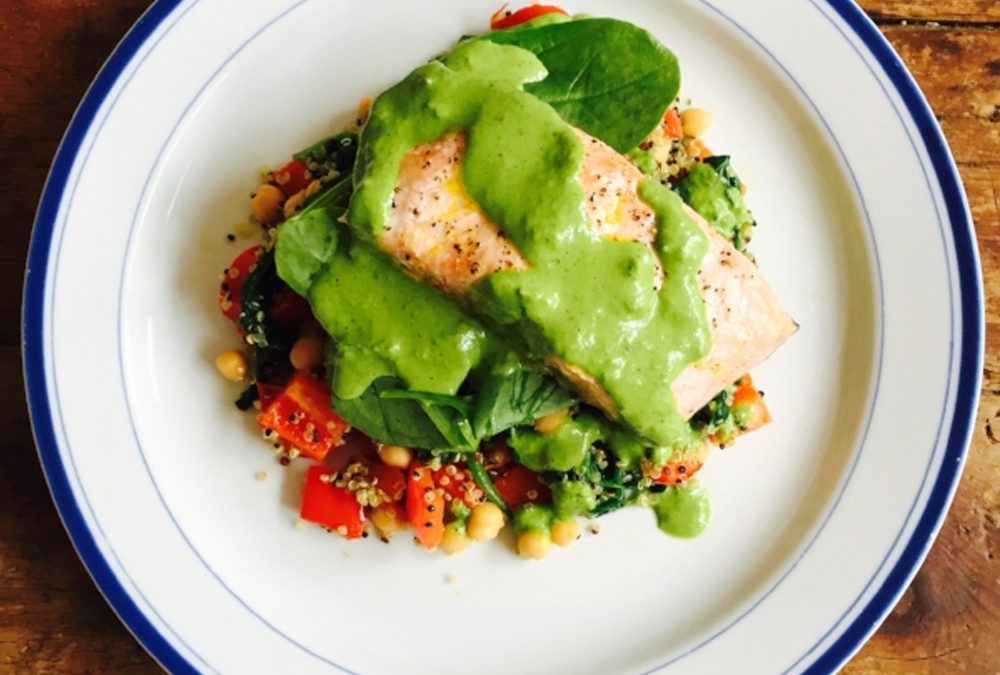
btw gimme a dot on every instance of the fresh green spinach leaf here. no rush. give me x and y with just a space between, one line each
395 421
390 413
610 78
461 404
450 414
340 149
334 197
269 340
306 243
516 395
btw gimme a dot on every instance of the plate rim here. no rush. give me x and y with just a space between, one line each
970 352
32 354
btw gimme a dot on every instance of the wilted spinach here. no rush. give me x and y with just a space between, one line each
390 413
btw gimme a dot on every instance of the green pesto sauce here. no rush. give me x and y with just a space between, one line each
569 444
533 517
589 300
561 450
718 199
572 498
385 323
683 511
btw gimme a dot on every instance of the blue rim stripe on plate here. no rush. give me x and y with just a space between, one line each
161 649
121 367
32 322
970 352
880 348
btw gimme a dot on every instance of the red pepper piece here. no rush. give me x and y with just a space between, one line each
301 416
231 287
675 473
330 506
457 483
519 485
292 177
746 394
682 465
391 480
672 125
424 505
290 309
501 19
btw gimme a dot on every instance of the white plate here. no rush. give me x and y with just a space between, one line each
820 519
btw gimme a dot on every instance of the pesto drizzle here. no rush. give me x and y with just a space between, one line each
588 300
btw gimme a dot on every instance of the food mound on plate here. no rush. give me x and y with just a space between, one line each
516 292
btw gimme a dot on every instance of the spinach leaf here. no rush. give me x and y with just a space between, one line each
390 413
339 149
610 78
306 243
461 405
450 414
249 396
512 396
269 339
714 413
334 197
391 420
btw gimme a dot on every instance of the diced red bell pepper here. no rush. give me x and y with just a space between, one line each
519 485
290 309
424 505
300 414
457 483
682 465
391 480
266 393
675 473
330 506
232 282
747 394
672 125
292 177
501 19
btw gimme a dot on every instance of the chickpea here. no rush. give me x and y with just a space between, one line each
232 364
564 532
547 424
534 544
485 522
395 455
453 541
307 353
266 203
384 518
696 122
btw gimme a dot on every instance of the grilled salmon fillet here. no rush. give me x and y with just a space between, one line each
441 236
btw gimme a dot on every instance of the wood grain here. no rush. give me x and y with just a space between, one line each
52 618
940 11
949 619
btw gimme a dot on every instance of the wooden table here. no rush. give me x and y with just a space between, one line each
52 618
